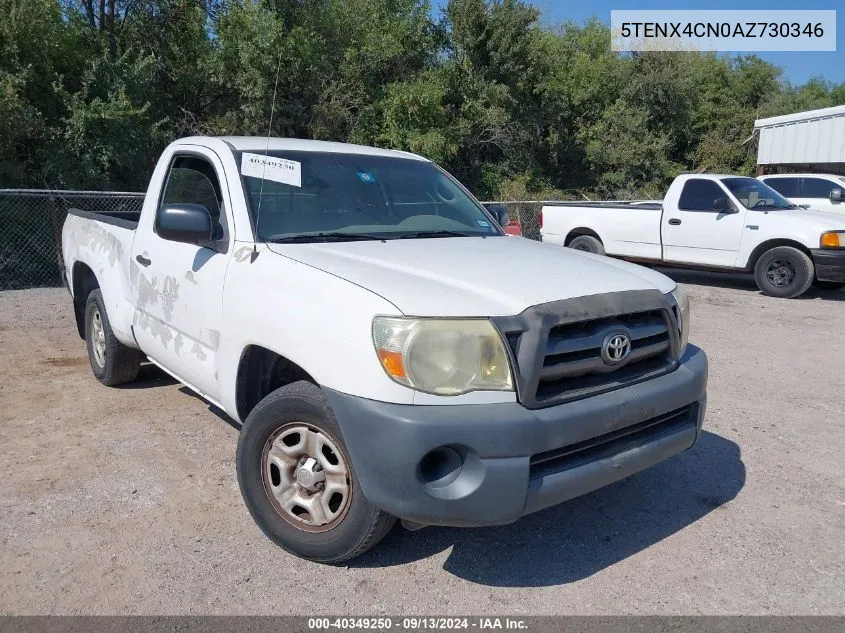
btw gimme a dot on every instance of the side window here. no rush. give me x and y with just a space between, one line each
787 187
817 188
699 195
193 180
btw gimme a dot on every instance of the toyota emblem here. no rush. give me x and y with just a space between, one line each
616 347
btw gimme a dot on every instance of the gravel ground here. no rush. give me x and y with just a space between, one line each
124 501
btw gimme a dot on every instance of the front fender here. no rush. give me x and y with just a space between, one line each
319 321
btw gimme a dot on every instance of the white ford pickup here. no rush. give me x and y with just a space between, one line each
714 222
389 351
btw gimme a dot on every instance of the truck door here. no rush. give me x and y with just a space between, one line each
816 194
698 228
177 286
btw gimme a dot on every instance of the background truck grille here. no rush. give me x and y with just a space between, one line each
557 348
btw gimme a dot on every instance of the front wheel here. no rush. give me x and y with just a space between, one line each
298 482
784 271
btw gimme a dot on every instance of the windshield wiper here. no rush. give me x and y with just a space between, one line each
336 236
421 234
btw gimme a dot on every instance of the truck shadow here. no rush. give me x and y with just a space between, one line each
149 377
739 281
575 540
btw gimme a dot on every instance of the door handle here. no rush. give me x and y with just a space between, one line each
674 221
143 260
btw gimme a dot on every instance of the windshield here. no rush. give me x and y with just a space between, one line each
754 194
323 196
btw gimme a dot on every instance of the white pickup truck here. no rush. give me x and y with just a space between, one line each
820 192
716 222
389 351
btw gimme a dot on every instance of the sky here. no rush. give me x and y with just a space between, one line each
798 67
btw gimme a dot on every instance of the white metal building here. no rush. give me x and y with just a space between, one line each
811 141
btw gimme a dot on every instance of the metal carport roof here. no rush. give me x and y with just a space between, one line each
805 138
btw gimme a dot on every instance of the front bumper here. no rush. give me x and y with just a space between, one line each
830 264
514 460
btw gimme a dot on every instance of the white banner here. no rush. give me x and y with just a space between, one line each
736 31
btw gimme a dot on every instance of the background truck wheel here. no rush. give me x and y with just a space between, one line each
587 243
112 362
784 271
298 481
828 285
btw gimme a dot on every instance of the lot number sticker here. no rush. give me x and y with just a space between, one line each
287 172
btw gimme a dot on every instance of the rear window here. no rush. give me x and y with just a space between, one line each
699 195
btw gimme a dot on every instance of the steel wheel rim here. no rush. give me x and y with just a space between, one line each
306 477
98 344
780 273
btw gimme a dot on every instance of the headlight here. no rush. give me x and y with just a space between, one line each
682 300
446 357
832 239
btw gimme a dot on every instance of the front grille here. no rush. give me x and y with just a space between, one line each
573 363
594 449
556 348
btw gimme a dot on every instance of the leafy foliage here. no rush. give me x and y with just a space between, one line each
92 90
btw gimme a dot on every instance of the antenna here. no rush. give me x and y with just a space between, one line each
266 151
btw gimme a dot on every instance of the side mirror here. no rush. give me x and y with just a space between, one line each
500 213
723 205
836 195
184 222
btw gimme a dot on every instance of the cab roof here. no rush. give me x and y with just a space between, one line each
261 143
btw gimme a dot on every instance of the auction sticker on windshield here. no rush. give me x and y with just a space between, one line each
287 172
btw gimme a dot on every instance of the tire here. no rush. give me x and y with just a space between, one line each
112 362
828 285
784 271
274 441
587 243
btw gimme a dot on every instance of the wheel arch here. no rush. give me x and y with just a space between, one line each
578 232
761 248
260 372
84 281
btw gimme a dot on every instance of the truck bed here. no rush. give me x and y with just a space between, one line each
609 204
98 246
123 219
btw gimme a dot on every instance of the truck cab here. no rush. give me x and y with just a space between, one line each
821 192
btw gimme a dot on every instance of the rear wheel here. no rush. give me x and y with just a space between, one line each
112 362
298 482
587 243
784 271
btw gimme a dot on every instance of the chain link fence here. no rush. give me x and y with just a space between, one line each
524 214
31 230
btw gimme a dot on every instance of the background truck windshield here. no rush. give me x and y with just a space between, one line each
754 194
355 196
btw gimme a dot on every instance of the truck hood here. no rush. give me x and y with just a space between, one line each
826 220
472 276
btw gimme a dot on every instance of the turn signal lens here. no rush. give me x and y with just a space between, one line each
392 363
831 239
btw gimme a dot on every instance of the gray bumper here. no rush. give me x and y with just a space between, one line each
830 264
514 460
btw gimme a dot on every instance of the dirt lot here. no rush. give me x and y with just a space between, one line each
125 500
